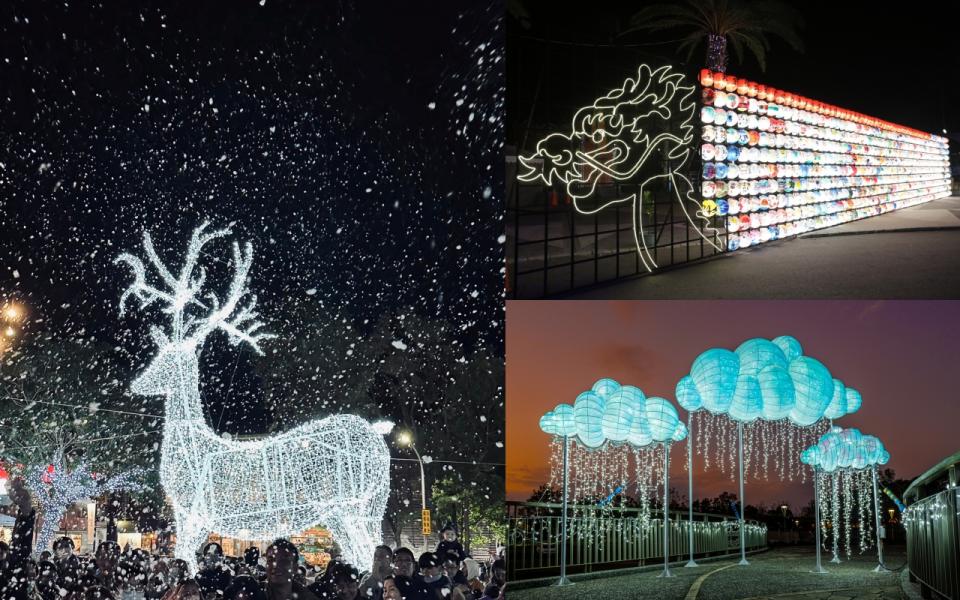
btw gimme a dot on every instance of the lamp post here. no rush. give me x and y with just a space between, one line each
405 438
783 524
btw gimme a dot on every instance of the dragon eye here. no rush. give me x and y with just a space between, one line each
598 135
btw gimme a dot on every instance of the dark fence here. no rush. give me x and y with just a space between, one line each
932 522
618 539
556 239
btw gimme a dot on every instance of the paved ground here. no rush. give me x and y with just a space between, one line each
911 253
783 574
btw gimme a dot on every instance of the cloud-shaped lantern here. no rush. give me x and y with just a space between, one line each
619 414
845 449
765 379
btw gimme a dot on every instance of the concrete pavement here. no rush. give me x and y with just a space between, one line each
911 253
784 574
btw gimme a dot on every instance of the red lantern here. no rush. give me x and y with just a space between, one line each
762 92
752 89
742 87
706 77
731 84
719 81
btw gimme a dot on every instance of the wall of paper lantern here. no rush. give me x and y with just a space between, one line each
841 449
765 379
776 164
618 414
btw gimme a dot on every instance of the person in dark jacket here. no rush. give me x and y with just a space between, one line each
244 588
449 543
213 577
405 577
68 565
432 578
451 568
47 578
14 576
282 560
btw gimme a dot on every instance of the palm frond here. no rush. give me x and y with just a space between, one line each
757 49
780 19
737 45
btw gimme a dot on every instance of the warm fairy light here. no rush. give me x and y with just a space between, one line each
13 312
334 471
10 332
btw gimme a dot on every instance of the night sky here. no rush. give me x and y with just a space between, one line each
357 145
900 355
899 64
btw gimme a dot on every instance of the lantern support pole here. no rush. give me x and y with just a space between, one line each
743 505
563 520
835 518
880 568
666 511
816 510
691 562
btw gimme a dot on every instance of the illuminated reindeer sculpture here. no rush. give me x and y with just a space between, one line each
333 472
614 139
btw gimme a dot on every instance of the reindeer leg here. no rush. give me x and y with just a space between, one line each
189 537
357 537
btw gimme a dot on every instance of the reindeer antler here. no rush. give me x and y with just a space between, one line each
240 325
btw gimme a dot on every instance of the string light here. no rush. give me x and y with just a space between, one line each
619 437
844 460
56 488
614 138
781 397
334 471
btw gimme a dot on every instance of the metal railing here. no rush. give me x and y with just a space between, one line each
933 543
617 538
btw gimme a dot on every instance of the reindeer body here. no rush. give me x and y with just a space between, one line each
333 472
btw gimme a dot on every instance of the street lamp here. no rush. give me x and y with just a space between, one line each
405 438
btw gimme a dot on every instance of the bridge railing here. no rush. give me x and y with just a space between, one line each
933 542
611 539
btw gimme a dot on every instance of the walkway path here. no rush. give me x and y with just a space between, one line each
909 253
784 574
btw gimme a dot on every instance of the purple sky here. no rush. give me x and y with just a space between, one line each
903 356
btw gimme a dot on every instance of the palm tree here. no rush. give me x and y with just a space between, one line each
737 23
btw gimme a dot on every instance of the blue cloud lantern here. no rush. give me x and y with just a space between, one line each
765 379
840 449
611 413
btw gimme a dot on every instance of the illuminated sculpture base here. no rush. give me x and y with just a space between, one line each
333 472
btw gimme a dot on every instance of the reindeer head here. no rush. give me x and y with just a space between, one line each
614 137
192 313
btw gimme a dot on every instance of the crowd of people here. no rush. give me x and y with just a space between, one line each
112 573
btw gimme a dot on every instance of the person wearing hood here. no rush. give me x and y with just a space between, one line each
449 542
